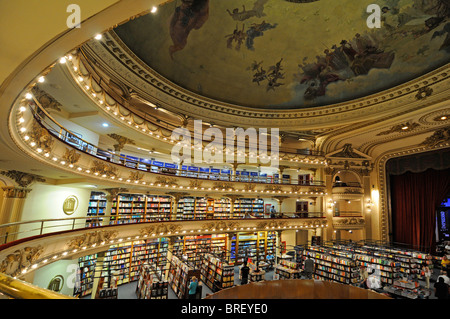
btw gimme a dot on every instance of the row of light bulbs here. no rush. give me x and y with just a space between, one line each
100 100
62 162
136 238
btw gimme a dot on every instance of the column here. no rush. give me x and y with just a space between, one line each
11 211
108 208
329 215
367 207
169 257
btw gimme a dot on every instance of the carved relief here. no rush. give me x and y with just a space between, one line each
249 187
400 128
102 168
45 100
71 156
272 188
21 259
92 238
161 228
221 225
423 93
121 141
136 176
348 222
163 180
22 179
272 224
223 185
440 136
13 192
41 137
195 183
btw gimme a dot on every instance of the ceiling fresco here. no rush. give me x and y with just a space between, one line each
280 54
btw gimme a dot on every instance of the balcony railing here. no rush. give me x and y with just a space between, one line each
141 164
347 214
12 231
346 184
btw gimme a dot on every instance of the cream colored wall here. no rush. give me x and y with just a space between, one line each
86 135
65 268
46 202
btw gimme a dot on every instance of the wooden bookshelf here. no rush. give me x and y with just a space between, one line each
127 208
250 242
85 274
151 284
222 209
215 273
245 206
287 270
180 274
96 208
342 269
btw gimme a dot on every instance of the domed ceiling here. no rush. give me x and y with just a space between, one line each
290 54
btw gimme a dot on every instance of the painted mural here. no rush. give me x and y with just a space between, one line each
288 54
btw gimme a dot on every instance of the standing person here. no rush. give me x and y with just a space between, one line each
444 275
309 267
193 287
426 272
244 273
441 289
445 263
272 212
363 275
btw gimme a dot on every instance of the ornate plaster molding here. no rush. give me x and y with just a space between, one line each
21 259
92 238
22 179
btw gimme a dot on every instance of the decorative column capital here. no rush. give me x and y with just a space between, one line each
22 179
15 192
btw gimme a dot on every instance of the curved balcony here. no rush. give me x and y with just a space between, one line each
47 141
38 249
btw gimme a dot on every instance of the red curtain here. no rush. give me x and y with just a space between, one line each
414 198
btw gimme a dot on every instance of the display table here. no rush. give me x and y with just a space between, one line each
256 276
407 289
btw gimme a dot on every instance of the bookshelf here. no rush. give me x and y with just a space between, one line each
193 247
248 243
287 270
180 274
330 267
122 261
151 284
85 275
245 206
127 208
215 273
96 208
222 209
186 208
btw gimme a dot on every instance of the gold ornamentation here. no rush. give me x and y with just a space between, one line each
272 224
102 168
400 128
41 137
71 156
223 185
121 141
423 93
272 188
45 100
20 260
14 192
249 187
22 179
438 137
160 229
92 238
195 183
70 205
348 222
136 176
163 180
221 225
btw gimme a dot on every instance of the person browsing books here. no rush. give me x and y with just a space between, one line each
193 287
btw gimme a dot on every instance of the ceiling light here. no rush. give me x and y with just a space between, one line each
154 9
41 79
62 60
405 127
105 124
98 36
22 109
28 96
443 118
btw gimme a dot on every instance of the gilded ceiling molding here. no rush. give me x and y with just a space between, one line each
424 92
169 181
14 192
441 136
41 136
22 179
21 259
136 176
92 238
223 185
220 225
192 103
401 128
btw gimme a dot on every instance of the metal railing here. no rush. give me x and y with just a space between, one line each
73 139
24 229
347 214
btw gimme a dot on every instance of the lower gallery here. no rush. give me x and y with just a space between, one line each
186 150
